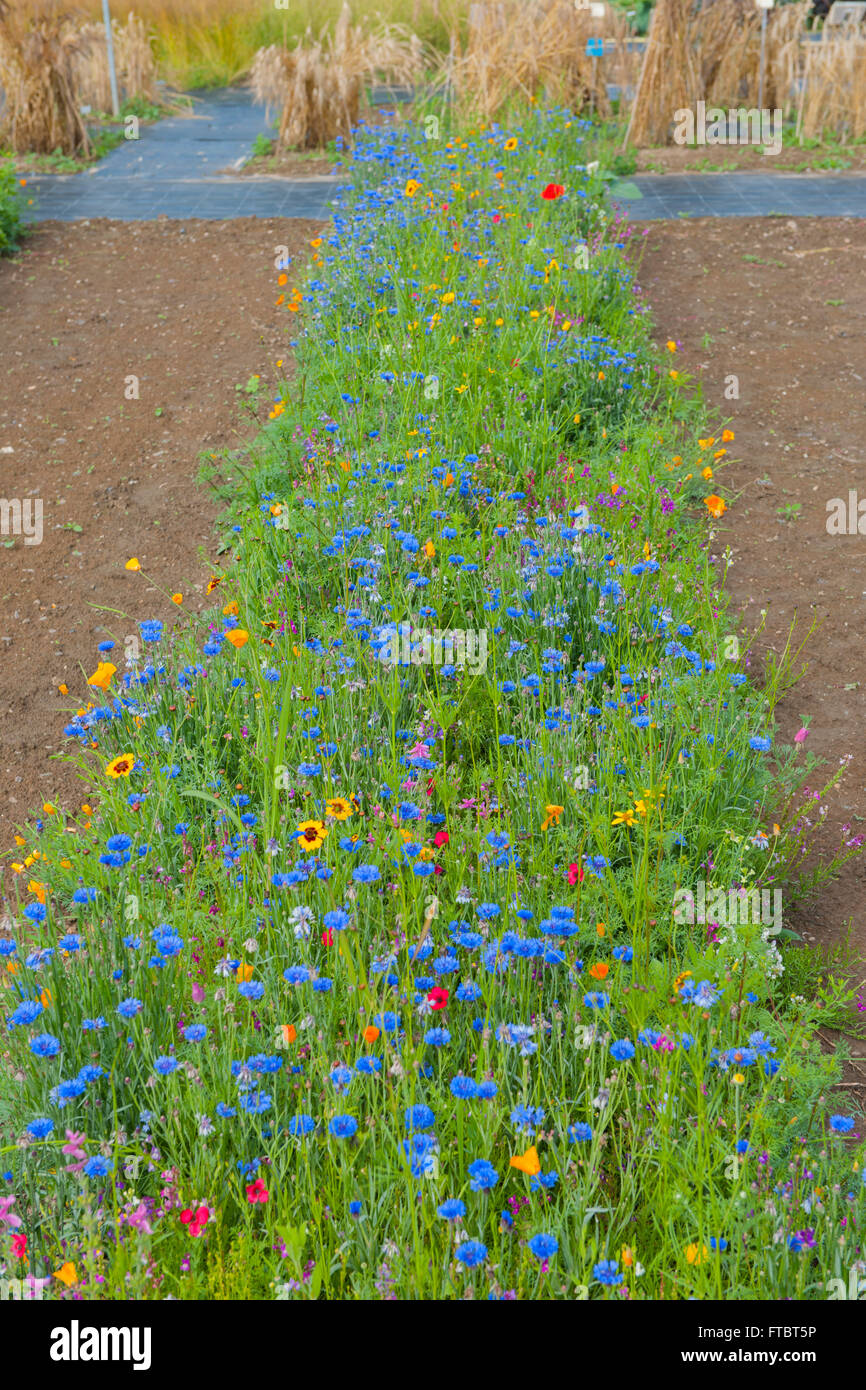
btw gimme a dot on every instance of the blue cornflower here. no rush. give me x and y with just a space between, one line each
97 1167
544 1247
128 1008
622 1050
452 1210
483 1176
463 1088
527 1118
301 1125
471 1253
841 1124
343 1126
419 1117
607 1272
40 1129
579 1133
45 1045
195 1032
166 1065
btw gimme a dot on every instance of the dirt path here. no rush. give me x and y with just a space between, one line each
781 305
187 308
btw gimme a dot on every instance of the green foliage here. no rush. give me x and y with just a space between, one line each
10 208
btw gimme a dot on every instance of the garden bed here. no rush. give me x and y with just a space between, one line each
385 958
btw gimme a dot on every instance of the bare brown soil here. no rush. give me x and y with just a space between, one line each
677 159
781 305
189 308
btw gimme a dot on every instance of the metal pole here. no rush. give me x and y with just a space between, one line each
761 76
109 45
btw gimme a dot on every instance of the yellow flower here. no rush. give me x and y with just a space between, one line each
130 565
738 1078
177 598
102 675
67 1274
696 1253
238 637
429 550
49 809
411 188
671 345
727 436
707 475
311 834
244 972
510 144
448 298
528 1162
553 815
339 808
231 609
624 818
64 690
716 506
121 766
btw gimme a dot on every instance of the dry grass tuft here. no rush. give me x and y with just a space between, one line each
834 91
535 49
134 60
37 73
320 86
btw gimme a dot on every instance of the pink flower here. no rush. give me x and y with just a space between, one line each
140 1219
73 1149
7 1217
801 735
198 994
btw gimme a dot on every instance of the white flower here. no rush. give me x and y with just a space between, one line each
301 919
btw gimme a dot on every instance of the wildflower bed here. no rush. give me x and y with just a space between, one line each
368 979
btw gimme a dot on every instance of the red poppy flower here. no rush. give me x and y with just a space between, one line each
257 1192
437 998
196 1220
497 217
19 1245
552 191
575 874
328 937
441 838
